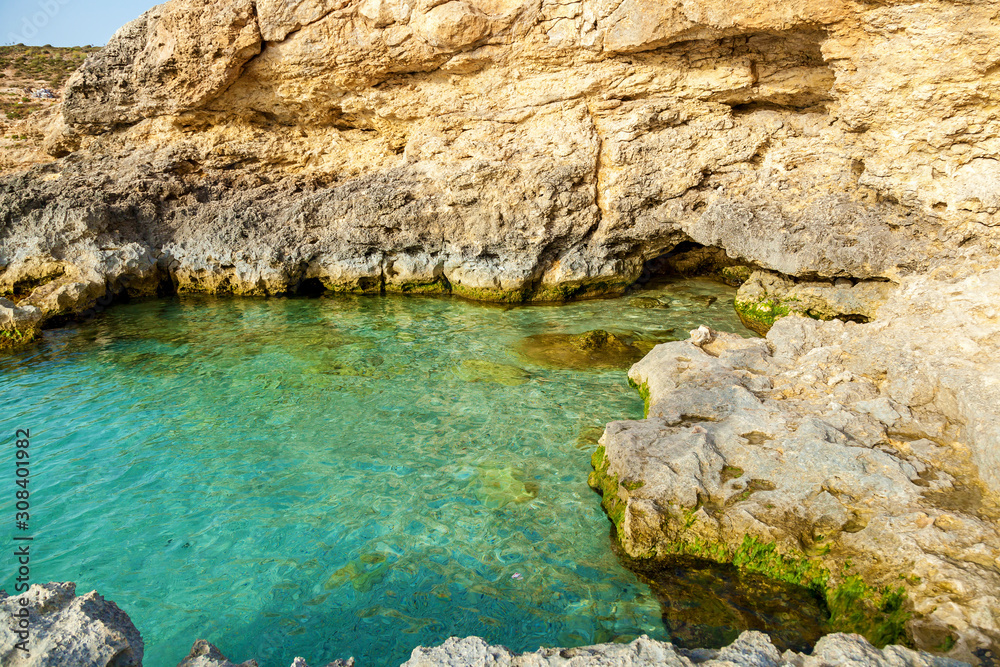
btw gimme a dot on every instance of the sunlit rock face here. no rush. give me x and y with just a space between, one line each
864 454
514 150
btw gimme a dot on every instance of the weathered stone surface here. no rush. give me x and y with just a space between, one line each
204 654
869 444
84 631
158 65
751 649
19 324
511 150
766 296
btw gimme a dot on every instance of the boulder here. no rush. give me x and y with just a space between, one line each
750 649
66 629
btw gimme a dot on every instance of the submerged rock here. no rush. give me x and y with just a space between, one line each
481 370
497 487
363 573
857 460
593 349
645 302
708 604
750 649
66 629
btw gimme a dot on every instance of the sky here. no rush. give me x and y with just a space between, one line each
66 22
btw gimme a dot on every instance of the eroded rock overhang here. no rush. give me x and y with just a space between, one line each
509 150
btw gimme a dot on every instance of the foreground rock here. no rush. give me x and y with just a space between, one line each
204 654
859 460
751 649
90 631
19 324
508 150
66 630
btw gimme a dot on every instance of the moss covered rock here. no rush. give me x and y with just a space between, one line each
19 325
765 297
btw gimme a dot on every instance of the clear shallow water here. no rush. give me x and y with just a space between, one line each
332 477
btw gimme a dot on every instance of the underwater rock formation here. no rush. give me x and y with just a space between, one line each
859 460
592 349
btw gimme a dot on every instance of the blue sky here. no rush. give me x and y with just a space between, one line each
66 22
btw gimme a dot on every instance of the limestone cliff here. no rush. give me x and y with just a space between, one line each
508 149
865 455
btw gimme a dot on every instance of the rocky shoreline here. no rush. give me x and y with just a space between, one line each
507 150
90 631
852 459
837 159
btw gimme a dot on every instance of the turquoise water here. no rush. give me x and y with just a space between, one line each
334 476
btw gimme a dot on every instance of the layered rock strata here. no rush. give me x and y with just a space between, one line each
857 459
508 150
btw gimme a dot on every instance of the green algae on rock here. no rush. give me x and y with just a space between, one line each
593 349
878 614
734 276
19 324
793 616
759 316
765 296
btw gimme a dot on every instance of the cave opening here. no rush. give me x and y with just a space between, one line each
690 259
310 287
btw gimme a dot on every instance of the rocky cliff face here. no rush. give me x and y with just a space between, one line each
509 149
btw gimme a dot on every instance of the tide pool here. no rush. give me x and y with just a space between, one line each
336 476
